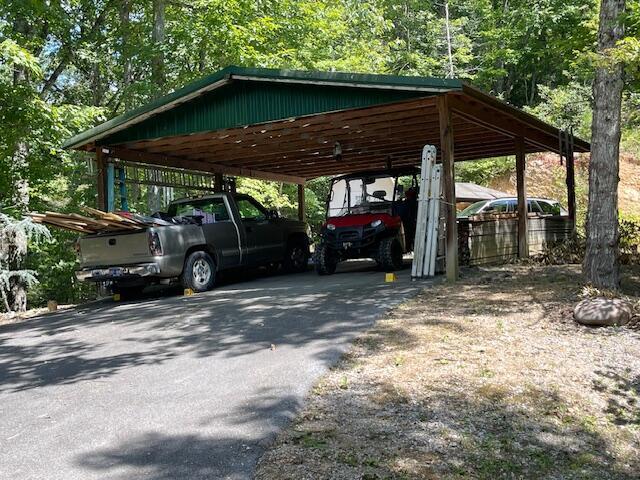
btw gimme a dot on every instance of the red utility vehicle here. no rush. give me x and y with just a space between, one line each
369 215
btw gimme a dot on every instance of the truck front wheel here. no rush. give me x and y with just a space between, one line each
389 256
326 260
199 272
297 256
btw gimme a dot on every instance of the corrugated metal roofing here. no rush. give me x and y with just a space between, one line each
237 96
471 192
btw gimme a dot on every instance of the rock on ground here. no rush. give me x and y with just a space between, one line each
602 312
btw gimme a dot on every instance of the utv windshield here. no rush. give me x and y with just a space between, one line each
361 195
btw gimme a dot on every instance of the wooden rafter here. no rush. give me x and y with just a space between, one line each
300 148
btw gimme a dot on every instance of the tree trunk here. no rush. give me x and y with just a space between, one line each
601 265
158 43
448 31
17 242
154 200
125 17
16 297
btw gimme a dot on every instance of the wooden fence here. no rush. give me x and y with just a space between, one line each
489 240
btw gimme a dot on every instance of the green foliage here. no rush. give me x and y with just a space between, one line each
15 235
56 261
629 239
13 57
568 107
482 172
268 193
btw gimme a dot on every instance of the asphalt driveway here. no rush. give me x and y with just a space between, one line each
176 387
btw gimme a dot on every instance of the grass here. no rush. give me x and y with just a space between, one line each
489 378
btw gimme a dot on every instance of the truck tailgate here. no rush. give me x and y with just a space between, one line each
114 249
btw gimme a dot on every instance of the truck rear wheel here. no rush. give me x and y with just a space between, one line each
326 260
127 291
199 272
389 256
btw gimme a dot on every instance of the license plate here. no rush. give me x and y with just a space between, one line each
346 244
115 272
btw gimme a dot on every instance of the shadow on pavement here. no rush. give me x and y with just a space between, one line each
235 319
157 456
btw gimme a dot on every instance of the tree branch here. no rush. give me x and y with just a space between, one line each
68 51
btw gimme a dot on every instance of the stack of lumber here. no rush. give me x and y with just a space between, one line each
96 221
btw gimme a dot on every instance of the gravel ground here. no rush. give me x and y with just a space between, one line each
489 378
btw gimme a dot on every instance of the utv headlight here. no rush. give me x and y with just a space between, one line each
331 226
376 223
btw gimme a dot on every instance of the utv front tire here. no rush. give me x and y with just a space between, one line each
199 273
389 256
326 261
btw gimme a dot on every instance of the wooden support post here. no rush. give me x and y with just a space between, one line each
571 185
101 180
217 182
449 186
301 214
523 220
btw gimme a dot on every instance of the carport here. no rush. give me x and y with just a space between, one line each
293 126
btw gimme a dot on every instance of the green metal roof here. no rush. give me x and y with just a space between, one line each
238 96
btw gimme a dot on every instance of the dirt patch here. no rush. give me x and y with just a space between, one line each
7 318
489 378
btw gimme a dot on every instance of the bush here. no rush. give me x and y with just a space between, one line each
56 262
572 250
562 252
630 239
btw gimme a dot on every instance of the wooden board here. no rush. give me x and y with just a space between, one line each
97 222
488 241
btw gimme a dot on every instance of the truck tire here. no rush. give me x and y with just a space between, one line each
326 261
296 258
389 256
199 273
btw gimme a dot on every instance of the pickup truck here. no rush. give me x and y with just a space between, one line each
200 237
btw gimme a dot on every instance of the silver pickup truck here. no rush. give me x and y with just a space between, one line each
203 236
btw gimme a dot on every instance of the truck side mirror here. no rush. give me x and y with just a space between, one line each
273 215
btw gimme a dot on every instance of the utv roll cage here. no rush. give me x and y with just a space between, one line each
395 173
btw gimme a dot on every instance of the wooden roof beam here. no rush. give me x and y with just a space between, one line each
260 155
298 134
283 124
178 162
499 121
